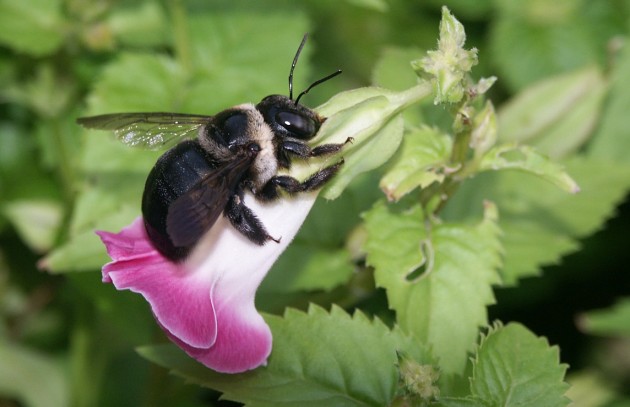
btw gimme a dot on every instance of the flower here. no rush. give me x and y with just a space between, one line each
206 304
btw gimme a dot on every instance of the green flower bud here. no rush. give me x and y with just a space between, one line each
448 66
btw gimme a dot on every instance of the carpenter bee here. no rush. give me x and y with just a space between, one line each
239 149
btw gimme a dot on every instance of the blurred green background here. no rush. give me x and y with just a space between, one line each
67 339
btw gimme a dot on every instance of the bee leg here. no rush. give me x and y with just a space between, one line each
300 149
270 191
246 221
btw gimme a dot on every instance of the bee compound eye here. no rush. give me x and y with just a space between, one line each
253 148
298 125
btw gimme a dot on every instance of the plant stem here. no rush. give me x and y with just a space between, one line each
180 32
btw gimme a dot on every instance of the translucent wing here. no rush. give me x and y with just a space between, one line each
147 130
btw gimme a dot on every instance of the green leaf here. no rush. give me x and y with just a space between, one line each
37 221
613 321
542 223
110 202
610 142
83 251
376 5
424 157
438 277
525 158
513 367
556 115
590 388
138 82
142 25
22 369
35 27
392 71
309 267
315 361
552 37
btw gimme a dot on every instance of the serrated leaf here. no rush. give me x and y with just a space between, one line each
423 160
445 305
613 321
525 158
556 115
513 367
319 358
35 27
22 368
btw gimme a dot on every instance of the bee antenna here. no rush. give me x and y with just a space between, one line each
295 59
317 82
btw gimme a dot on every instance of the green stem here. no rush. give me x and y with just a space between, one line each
459 158
66 171
180 32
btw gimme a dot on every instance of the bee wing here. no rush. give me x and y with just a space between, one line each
147 130
191 215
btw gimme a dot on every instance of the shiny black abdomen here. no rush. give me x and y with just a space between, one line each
175 172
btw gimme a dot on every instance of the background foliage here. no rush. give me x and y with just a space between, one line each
564 75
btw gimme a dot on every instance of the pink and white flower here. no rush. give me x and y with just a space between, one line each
206 304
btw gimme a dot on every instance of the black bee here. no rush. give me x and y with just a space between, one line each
241 148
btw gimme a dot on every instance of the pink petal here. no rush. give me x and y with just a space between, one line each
206 305
181 303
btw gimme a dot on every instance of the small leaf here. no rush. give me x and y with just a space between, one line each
36 221
527 159
438 277
556 115
423 160
84 251
315 361
35 27
609 141
613 321
589 388
513 367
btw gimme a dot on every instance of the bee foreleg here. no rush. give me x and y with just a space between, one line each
300 149
291 185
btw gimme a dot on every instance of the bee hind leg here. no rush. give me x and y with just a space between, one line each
246 222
